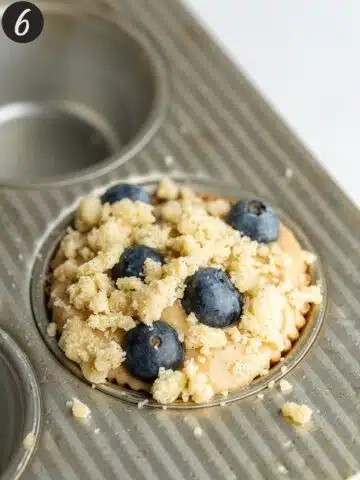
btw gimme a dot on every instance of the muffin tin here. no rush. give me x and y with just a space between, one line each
192 115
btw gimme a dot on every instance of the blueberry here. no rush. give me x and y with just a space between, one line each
125 190
256 220
213 299
149 348
131 263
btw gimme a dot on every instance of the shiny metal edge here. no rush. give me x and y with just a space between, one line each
33 407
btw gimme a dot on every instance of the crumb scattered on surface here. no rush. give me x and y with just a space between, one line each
356 476
260 396
285 386
52 329
169 160
300 414
79 409
284 369
97 430
142 404
289 173
198 431
271 385
29 441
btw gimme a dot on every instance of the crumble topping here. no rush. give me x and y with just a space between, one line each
300 414
29 441
79 409
92 312
285 386
52 329
168 386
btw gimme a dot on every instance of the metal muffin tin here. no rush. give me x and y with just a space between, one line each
315 317
216 127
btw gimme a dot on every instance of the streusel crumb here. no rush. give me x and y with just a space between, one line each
300 414
79 409
168 386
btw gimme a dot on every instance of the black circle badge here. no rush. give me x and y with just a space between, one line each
22 22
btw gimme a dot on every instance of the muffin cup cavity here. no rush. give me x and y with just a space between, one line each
82 99
207 187
20 407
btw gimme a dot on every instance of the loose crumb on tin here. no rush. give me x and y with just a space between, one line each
198 431
79 409
285 386
284 369
282 469
29 441
142 404
289 173
271 385
260 396
169 160
52 329
300 414
356 476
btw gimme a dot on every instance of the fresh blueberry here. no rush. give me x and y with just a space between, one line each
256 220
149 348
131 263
213 299
125 190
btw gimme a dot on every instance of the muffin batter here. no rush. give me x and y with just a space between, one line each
140 265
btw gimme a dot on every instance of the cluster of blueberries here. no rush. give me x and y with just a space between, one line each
209 293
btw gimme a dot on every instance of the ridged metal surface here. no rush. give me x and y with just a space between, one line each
219 126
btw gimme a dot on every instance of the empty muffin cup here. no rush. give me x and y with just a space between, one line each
298 351
20 409
82 98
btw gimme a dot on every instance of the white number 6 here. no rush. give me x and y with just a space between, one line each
22 21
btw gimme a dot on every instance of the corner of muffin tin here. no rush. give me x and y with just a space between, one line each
203 185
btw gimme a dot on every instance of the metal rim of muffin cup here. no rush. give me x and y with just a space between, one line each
151 75
308 334
22 406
